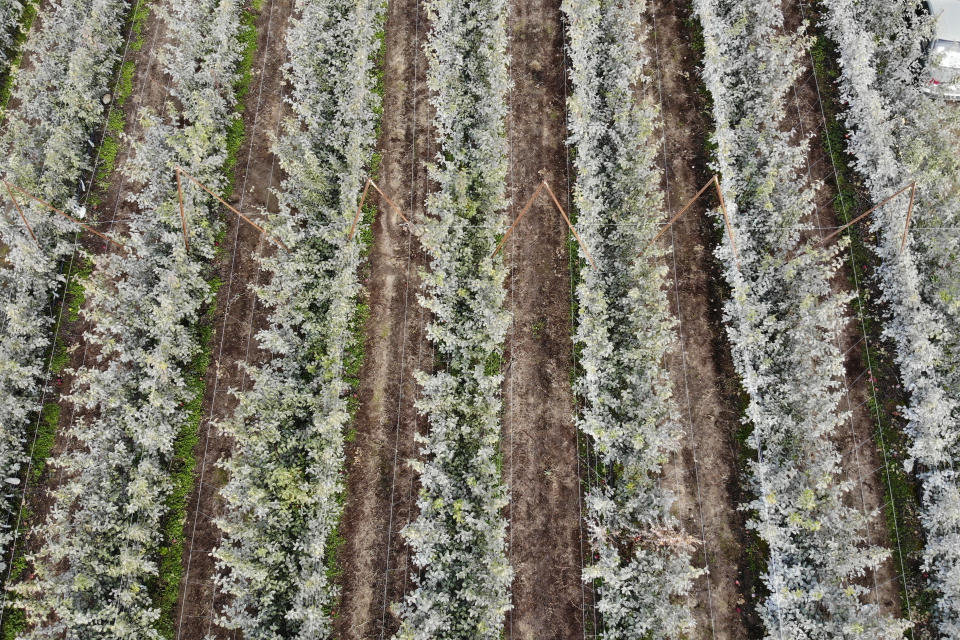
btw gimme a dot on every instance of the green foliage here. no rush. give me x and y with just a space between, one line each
14 619
110 145
138 19
44 439
30 10
170 554
236 133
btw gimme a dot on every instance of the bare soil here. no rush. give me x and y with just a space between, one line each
236 319
862 461
704 475
381 486
539 441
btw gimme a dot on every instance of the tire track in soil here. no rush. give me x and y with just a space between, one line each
704 474
862 460
237 318
381 487
539 438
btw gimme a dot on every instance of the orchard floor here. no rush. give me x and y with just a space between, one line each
381 486
704 474
236 319
546 465
539 441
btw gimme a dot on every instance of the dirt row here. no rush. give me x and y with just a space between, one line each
381 486
704 473
539 440
237 319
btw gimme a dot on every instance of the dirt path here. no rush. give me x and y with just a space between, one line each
862 459
381 487
236 320
704 475
539 441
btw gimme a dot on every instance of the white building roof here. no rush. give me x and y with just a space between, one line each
947 13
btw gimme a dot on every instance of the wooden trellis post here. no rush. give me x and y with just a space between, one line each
183 218
906 227
540 187
715 181
10 189
366 188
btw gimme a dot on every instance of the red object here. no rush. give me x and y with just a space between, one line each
934 82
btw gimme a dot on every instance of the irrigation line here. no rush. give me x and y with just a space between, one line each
403 334
571 257
421 339
63 301
683 351
863 329
223 332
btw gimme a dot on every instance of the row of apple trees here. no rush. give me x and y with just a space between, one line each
641 557
45 151
782 321
99 553
900 134
283 498
458 538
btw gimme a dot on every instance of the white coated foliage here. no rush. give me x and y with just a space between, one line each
782 322
625 329
458 538
286 471
11 12
899 134
100 542
44 150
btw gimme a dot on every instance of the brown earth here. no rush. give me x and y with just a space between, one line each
236 320
381 486
862 460
539 441
704 473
